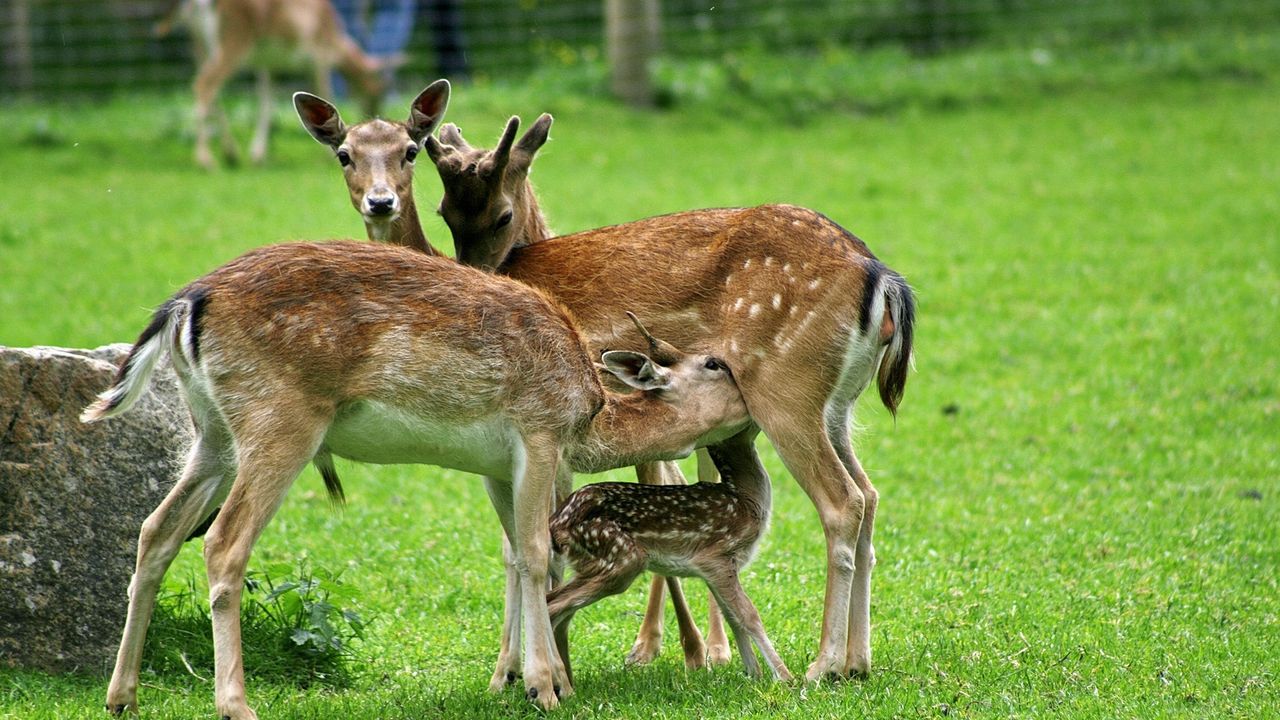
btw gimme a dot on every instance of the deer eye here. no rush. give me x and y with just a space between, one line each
344 158
714 364
504 220
411 153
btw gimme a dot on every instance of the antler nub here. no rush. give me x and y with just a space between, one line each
661 351
502 153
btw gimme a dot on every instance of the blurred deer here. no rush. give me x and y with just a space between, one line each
294 353
267 34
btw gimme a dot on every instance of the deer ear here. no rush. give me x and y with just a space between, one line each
637 370
427 110
320 118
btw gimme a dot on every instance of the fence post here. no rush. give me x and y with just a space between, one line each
18 46
631 38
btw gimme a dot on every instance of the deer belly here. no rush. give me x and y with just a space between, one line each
375 433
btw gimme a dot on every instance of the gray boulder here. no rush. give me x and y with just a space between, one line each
72 499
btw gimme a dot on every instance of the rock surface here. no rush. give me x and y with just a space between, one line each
72 499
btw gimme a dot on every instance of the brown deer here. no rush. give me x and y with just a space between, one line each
227 32
799 307
298 352
377 161
612 532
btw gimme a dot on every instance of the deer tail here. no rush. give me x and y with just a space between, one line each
901 306
152 345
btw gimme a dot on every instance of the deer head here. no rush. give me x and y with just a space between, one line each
686 400
488 203
377 156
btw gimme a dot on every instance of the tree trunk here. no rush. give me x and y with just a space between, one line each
631 39
17 52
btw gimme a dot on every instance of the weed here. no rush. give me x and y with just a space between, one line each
297 624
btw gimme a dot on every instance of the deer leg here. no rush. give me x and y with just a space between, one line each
507 668
800 436
747 626
649 638
718 652
262 132
266 471
221 62
858 649
695 650
594 578
544 675
203 484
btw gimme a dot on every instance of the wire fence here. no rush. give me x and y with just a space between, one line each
77 48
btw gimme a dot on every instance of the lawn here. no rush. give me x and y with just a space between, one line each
1079 498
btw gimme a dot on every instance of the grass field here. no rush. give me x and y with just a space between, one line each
1079 498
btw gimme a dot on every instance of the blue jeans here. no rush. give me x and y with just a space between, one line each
385 32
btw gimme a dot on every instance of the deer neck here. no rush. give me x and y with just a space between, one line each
634 428
741 471
535 228
405 230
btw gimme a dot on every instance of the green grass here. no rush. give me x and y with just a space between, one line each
1079 498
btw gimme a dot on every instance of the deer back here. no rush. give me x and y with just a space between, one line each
344 322
752 285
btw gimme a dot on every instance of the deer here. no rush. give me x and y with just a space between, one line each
228 32
299 352
377 159
801 309
612 532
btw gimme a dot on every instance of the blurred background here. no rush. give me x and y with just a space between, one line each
61 48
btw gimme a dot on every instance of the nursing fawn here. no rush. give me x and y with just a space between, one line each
612 532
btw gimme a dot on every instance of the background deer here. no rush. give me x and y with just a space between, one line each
370 154
377 161
295 353
612 532
800 308
283 32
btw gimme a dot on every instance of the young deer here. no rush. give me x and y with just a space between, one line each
283 31
295 353
799 307
377 161
612 532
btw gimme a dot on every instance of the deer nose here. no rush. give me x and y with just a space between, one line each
381 205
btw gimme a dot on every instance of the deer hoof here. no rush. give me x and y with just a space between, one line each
547 702
718 655
642 653
117 709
